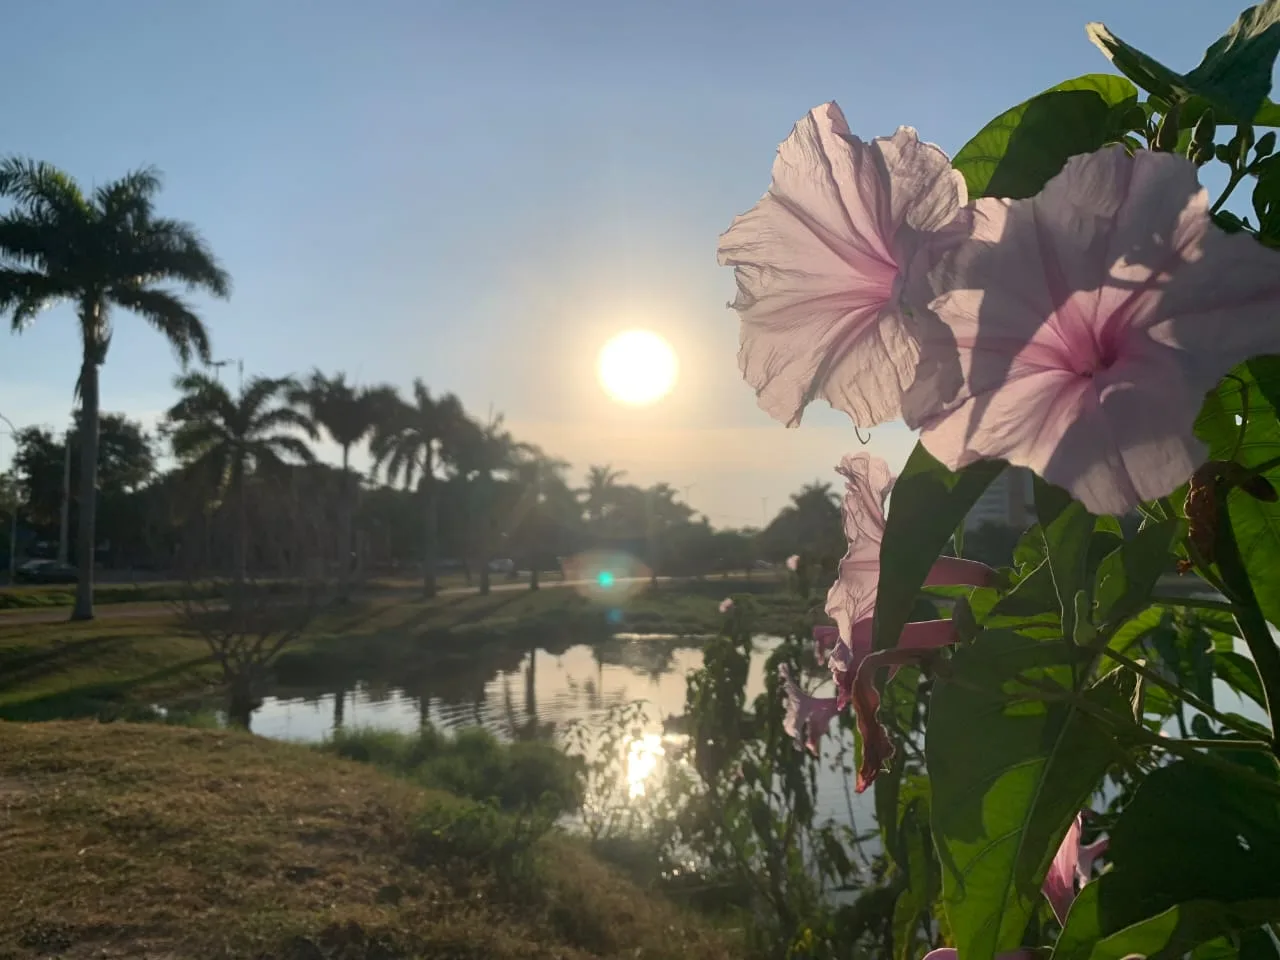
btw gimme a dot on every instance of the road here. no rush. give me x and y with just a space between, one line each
162 608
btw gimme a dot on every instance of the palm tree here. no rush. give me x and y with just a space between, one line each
536 474
348 414
223 438
480 454
408 442
99 251
602 482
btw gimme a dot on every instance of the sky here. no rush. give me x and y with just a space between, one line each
481 193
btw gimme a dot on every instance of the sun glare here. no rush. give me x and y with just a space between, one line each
637 368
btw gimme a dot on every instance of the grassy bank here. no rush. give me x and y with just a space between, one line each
115 664
127 840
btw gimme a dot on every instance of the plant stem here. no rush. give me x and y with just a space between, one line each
1236 177
1189 698
1248 616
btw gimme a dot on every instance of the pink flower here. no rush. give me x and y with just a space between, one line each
819 263
793 562
1072 864
1086 324
851 602
824 641
726 604
807 717
852 597
950 953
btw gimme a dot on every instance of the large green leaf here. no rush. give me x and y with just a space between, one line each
928 503
1193 857
1127 576
1234 76
1008 776
1018 152
1068 532
1256 523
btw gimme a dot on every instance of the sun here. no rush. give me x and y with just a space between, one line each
637 368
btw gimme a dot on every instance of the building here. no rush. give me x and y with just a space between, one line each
1008 502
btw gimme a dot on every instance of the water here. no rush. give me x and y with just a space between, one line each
505 691
579 684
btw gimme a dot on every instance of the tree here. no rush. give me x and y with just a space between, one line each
598 494
222 439
99 251
481 453
126 463
407 442
348 414
539 478
809 524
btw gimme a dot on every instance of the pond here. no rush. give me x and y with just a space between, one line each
579 684
507 690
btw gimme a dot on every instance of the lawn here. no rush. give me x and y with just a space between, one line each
116 664
123 839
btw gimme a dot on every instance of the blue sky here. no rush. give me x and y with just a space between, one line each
480 193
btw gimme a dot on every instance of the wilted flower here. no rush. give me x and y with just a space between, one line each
726 604
824 641
1086 324
819 266
793 562
807 717
852 597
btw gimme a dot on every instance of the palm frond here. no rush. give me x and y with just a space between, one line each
40 186
25 293
164 249
170 315
284 417
283 443
128 195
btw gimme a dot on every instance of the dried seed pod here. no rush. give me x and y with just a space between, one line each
1201 508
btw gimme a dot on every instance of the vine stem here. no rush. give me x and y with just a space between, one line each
1248 615
1236 177
1186 696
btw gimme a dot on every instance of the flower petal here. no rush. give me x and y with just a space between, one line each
817 267
1087 323
807 717
1059 883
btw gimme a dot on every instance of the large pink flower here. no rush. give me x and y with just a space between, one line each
819 264
807 717
1086 324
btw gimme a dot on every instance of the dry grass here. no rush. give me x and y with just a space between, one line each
121 840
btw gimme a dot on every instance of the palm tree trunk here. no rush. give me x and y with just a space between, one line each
85 535
344 531
242 524
430 527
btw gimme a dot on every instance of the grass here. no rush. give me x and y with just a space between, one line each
122 839
524 775
117 664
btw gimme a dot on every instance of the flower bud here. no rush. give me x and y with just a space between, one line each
1267 145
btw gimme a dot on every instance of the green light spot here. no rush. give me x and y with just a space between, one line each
604 578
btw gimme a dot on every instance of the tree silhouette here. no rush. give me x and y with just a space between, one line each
408 442
222 439
598 494
99 251
347 414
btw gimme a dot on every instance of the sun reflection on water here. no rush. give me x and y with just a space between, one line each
644 754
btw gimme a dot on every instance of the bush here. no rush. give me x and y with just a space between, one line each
473 763
467 838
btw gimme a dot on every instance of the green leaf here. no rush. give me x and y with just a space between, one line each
1127 576
928 502
1240 674
1008 776
1234 76
1193 857
1018 152
1256 523
1068 532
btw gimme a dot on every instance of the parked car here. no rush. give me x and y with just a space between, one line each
502 566
46 571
